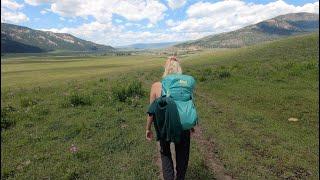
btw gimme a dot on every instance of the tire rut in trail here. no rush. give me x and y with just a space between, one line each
207 149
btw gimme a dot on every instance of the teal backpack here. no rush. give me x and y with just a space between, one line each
180 88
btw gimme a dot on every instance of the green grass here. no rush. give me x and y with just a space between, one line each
247 113
21 72
102 114
244 98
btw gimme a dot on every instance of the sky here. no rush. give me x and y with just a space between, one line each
123 22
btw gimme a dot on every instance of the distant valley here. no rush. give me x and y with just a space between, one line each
143 46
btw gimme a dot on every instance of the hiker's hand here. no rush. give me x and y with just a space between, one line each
149 135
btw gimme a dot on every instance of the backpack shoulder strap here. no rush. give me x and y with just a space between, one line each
165 89
163 92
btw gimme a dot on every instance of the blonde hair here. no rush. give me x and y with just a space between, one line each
172 66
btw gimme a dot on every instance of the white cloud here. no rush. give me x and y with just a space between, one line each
118 35
230 15
175 4
140 9
43 12
203 9
150 25
133 10
128 24
37 2
12 5
10 13
202 18
12 16
171 23
86 30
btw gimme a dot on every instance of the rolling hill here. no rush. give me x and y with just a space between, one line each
278 27
19 39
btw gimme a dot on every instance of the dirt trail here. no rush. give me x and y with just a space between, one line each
158 162
206 147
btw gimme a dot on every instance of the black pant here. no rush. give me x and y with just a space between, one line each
182 157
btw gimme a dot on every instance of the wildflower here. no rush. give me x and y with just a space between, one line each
73 149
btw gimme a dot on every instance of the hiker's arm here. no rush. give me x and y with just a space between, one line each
152 98
149 133
149 122
153 92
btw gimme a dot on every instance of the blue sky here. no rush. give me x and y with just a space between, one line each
118 22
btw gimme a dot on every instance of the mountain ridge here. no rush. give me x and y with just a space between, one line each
14 37
270 29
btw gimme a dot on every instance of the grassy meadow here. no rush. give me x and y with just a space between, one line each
244 99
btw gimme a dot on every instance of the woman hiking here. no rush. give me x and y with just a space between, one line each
174 116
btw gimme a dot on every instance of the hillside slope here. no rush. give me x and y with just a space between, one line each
278 27
22 39
245 98
8 45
